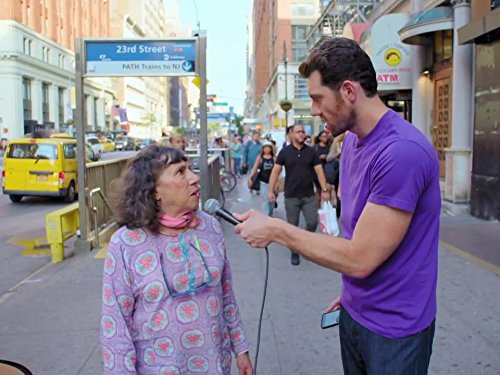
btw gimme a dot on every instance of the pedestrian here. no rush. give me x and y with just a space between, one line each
262 171
332 169
168 302
389 185
321 147
308 140
236 151
302 165
177 141
250 153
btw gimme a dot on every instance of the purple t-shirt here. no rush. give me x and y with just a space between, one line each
395 166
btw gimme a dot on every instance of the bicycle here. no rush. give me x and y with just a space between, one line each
228 180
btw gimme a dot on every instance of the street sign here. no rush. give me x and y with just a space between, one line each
140 57
196 81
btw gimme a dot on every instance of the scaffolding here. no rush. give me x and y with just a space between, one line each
335 15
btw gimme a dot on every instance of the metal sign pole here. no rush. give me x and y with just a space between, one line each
82 244
202 60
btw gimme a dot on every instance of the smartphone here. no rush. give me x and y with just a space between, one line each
330 319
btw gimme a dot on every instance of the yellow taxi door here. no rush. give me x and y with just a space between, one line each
15 168
44 167
70 164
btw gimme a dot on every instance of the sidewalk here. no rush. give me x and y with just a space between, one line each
51 321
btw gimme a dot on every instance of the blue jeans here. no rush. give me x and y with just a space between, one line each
237 166
365 352
267 207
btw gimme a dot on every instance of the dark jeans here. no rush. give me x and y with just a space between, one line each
365 352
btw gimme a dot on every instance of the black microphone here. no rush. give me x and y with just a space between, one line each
213 207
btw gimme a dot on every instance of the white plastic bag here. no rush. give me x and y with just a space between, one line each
327 216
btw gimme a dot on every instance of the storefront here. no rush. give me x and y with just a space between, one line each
392 62
433 29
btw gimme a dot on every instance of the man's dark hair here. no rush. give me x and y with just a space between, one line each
134 192
338 59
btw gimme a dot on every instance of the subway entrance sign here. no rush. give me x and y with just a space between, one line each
141 57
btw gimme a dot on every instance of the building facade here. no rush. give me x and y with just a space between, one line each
145 99
483 33
278 45
37 65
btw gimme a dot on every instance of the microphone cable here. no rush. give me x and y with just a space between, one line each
261 312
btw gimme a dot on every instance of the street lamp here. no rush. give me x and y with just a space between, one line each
285 104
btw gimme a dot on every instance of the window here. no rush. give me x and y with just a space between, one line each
303 10
443 46
45 102
27 46
299 44
60 99
61 61
26 88
45 54
27 98
33 151
299 32
495 4
300 88
70 151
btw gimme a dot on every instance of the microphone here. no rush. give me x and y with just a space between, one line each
213 207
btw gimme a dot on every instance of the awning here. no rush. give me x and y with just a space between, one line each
419 29
482 30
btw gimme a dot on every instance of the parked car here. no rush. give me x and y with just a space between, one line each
40 167
119 143
107 144
95 145
128 143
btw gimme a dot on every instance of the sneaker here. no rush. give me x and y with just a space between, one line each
295 259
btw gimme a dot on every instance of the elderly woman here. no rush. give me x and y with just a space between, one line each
168 302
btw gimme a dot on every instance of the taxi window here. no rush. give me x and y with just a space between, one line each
70 151
33 151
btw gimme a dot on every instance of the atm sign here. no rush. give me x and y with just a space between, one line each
388 77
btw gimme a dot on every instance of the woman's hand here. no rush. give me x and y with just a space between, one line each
244 364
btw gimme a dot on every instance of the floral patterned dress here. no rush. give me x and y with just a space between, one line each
151 323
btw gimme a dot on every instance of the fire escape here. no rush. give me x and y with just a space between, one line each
335 15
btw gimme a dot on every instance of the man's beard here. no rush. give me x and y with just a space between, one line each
345 125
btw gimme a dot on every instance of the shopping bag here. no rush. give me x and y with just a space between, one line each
327 216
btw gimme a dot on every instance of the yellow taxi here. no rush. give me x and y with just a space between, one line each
40 167
107 144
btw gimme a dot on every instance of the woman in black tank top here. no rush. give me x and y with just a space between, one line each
262 171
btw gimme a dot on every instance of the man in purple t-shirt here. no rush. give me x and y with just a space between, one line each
389 183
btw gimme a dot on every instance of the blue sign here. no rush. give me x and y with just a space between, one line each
169 57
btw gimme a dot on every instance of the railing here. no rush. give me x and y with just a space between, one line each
100 175
213 184
95 209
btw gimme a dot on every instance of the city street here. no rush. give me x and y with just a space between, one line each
59 308
25 221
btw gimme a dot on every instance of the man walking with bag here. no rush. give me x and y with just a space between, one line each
302 165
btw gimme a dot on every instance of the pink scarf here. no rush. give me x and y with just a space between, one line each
186 220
